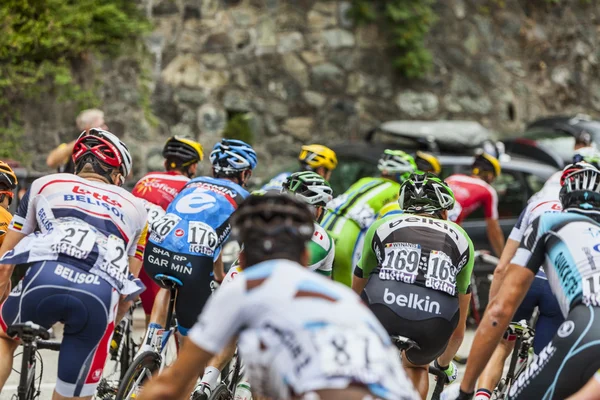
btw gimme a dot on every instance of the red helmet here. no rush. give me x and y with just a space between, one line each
105 147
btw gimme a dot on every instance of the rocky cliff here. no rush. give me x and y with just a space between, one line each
304 72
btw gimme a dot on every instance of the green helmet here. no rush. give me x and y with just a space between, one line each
308 186
397 163
425 193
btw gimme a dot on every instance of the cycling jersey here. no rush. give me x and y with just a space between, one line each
416 267
349 215
185 242
91 225
300 332
276 183
470 194
157 189
5 218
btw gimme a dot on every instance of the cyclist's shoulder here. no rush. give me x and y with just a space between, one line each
321 237
5 217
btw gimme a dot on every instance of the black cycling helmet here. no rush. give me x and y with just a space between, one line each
425 193
580 188
271 216
182 152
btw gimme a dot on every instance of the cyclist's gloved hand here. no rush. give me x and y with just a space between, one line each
451 370
453 392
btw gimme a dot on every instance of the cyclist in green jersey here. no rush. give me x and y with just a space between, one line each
349 215
414 274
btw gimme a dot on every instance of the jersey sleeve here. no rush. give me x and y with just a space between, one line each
327 266
368 259
517 231
219 322
531 251
141 240
24 220
463 279
490 204
5 218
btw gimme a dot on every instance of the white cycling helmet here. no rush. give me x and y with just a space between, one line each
310 187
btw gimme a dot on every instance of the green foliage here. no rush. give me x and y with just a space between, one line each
12 143
238 127
407 22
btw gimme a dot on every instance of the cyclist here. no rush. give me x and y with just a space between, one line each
158 189
566 244
415 273
301 336
591 391
313 157
186 242
350 214
539 295
472 192
8 183
76 233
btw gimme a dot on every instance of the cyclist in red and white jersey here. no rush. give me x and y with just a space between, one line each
474 191
158 189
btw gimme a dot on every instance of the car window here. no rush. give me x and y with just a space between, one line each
512 194
534 182
348 171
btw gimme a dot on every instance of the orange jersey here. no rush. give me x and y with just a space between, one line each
5 218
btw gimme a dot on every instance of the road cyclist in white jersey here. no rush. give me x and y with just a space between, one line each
301 336
83 237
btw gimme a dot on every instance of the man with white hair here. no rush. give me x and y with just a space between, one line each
60 157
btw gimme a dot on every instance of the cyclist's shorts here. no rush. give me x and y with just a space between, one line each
426 316
195 272
566 364
55 292
147 297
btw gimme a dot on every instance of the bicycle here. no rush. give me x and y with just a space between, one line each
404 344
33 338
149 362
122 352
520 359
225 390
481 280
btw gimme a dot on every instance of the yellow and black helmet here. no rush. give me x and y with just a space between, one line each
182 152
7 176
486 162
314 156
427 162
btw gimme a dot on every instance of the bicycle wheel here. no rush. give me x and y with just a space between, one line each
221 392
128 355
142 369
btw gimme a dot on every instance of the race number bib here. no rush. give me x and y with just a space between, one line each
401 262
348 353
441 274
115 263
202 238
76 239
163 226
155 213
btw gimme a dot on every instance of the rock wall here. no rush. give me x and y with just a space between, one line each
306 73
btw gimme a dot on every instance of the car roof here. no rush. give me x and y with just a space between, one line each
571 125
514 164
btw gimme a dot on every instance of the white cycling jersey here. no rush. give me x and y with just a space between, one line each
533 210
300 332
89 224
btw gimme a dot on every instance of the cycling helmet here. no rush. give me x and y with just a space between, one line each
314 156
396 162
231 156
105 148
486 162
425 193
270 216
428 163
7 176
310 187
185 150
590 155
580 187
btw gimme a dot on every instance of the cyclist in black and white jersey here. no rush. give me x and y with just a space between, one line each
567 244
301 336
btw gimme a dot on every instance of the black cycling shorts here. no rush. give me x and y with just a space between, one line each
424 315
195 272
566 364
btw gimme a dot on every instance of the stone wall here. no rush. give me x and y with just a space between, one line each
306 73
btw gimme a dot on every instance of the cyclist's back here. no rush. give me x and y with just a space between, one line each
472 193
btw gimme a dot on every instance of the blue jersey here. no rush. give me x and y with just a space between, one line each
567 244
197 221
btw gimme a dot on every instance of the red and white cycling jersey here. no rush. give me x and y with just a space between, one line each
533 210
160 188
470 194
89 224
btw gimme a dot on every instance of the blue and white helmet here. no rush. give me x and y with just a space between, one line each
232 156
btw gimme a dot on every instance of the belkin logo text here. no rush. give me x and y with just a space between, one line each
412 301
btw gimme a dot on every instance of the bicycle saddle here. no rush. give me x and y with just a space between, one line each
28 330
404 343
168 281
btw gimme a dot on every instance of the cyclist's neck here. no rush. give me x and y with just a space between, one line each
93 177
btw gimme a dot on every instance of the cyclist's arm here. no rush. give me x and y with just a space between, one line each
60 155
502 307
459 333
500 271
219 269
495 235
368 260
177 381
591 390
11 239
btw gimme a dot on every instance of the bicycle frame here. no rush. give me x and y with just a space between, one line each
26 387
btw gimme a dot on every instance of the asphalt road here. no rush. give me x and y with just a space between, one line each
50 359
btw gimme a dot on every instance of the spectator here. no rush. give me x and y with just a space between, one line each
60 157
